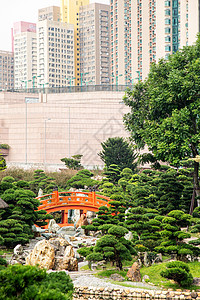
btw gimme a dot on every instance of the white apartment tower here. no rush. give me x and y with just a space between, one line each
94 29
55 53
25 54
143 31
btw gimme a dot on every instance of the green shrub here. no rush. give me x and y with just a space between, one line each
84 251
195 242
195 228
179 272
3 262
28 282
9 179
4 146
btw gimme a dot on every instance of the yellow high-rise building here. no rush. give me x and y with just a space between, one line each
70 14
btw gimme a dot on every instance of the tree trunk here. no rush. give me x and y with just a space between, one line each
118 263
196 181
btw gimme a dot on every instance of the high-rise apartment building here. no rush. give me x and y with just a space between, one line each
55 53
19 27
143 31
70 14
6 70
121 19
94 30
25 54
51 13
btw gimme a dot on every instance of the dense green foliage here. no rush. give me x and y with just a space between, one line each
2 163
172 235
41 180
17 219
82 180
165 109
112 247
179 272
73 163
119 152
28 282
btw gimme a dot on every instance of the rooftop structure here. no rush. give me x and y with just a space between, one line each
51 13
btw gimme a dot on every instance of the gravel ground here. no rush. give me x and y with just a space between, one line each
92 281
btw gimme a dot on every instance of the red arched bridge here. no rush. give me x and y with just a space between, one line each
65 202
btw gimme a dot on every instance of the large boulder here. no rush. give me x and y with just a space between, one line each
53 226
65 256
134 273
56 254
19 255
66 230
43 255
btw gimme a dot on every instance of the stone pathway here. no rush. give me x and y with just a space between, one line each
87 279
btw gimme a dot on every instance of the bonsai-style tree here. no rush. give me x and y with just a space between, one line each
41 180
145 228
81 180
172 235
73 163
112 172
179 272
16 221
113 247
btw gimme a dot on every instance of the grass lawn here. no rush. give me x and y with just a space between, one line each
154 274
85 268
6 251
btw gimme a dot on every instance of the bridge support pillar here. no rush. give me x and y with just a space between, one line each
65 217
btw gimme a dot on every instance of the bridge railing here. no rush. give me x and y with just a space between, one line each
72 198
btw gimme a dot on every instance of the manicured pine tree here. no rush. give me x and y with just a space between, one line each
172 235
113 247
17 220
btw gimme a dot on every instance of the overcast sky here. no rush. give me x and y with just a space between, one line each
22 10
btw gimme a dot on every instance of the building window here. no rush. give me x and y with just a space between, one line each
167 48
167 39
167 30
167 12
167 21
167 3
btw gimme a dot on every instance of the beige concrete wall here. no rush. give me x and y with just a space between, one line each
66 124
183 21
145 39
160 30
193 20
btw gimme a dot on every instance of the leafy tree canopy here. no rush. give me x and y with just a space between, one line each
165 109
